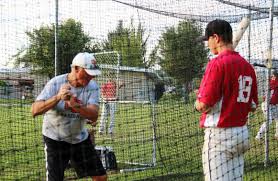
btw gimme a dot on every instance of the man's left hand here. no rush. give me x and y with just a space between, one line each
73 104
201 107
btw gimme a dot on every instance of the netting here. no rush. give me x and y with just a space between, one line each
132 94
145 51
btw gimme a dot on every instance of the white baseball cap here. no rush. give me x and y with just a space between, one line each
88 62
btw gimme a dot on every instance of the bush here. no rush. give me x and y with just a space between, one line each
3 83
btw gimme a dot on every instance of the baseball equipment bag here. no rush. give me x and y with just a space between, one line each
108 157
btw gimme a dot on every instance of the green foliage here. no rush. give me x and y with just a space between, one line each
4 88
40 54
129 43
170 97
3 83
154 57
181 57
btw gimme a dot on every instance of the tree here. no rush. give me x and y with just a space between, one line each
129 43
40 53
179 55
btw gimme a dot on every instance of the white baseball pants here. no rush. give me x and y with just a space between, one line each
107 107
223 153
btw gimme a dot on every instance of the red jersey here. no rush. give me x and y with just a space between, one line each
109 91
274 91
229 86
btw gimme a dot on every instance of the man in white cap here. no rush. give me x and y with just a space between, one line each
67 102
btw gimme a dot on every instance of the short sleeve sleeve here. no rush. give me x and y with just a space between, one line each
210 90
94 96
51 89
47 92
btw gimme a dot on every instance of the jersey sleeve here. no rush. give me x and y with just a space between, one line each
210 90
47 92
255 91
94 96
51 89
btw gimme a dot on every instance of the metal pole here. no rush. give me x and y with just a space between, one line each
56 38
118 74
269 66
153 103
249 37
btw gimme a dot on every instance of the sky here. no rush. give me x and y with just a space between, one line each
100 17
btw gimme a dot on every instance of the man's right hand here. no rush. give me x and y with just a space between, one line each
40 107
64 92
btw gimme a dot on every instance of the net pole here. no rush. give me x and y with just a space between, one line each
56 38
249 37
269 66
154 132
117 74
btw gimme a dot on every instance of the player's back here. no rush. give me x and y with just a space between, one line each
239 88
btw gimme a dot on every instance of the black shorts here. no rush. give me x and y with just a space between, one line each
82 156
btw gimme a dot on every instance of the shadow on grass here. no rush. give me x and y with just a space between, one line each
259 166
177 176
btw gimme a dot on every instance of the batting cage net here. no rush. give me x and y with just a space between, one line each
153 68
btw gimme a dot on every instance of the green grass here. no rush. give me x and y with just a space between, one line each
178 144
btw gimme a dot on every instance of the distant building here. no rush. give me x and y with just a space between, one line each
139 83
18 83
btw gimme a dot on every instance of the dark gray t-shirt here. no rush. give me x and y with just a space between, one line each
61 124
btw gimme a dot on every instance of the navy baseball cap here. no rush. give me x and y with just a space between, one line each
219 27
